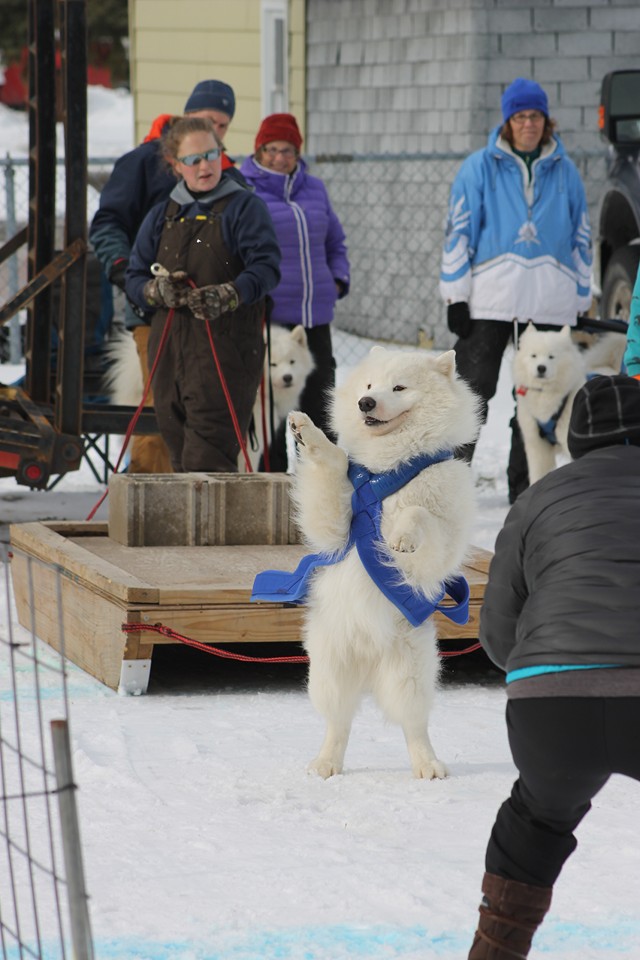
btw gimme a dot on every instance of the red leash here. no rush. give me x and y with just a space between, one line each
207 648
147 388
227 655
225 389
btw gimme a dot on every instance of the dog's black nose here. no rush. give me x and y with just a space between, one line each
366 404
287 378
541 369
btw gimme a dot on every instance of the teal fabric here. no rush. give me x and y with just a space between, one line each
555 668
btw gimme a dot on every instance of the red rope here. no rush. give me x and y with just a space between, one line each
207 648
145 394
459 653
264 401
227 394
227 655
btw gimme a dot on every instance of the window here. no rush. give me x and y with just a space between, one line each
275 93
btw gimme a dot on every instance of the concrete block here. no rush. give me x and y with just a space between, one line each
200 509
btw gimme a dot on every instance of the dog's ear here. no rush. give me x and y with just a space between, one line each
299 335
446 364
377 351
566 332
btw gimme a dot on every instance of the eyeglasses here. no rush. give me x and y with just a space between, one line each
194 158
273 151
521 118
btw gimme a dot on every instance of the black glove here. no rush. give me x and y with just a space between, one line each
170 291
459 319
117 272
209 303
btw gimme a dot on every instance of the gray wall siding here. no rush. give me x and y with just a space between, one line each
401 78
406 76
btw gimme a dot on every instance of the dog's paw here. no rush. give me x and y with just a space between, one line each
430 770
298 423
403 543
324 768
305 433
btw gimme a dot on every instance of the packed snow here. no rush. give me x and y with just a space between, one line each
205 839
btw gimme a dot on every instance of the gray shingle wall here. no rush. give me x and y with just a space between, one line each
402 76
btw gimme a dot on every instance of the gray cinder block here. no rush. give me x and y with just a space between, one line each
199 509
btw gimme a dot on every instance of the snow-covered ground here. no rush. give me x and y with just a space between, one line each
205 839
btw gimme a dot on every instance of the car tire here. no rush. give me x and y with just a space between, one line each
619 280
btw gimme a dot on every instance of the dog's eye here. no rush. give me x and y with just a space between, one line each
398 387
368 386
551 356
292 362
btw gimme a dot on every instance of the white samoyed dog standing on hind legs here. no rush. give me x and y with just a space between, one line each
396 409
548 369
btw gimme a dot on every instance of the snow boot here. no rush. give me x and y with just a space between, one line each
510 914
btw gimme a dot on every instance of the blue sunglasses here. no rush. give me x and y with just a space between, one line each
194 158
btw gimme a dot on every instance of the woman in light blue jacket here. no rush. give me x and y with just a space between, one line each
517 247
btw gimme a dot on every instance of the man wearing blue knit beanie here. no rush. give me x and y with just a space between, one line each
215 100
517 248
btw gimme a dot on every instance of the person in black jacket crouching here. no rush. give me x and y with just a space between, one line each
560 617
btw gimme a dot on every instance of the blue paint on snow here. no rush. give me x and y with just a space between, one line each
373 943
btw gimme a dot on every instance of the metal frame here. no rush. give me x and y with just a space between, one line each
46 427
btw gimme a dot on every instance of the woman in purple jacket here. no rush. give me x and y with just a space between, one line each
314 266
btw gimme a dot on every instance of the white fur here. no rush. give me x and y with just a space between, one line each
287 371
123 378
357 640
548 367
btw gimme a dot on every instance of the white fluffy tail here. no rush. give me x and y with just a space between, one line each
603 353
123 379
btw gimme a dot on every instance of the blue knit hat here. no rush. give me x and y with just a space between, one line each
524 95
212 95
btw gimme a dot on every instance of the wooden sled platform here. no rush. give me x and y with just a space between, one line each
200 592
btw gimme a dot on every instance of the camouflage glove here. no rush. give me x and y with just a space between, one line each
170 291
209 303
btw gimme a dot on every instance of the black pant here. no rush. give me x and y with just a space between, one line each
313 399
478 361
192 410
565 749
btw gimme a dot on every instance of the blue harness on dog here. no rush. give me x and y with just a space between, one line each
547 430
369 490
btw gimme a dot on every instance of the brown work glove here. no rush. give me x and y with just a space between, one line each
170 291
209 303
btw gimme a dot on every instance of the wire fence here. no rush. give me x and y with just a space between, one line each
43 901
393 210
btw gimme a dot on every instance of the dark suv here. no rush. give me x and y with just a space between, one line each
617 249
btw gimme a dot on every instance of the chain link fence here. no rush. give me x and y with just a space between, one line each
44 911
393 210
